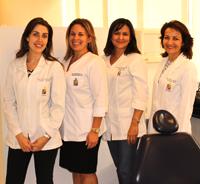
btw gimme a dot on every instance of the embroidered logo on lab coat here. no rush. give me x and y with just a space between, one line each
170 84
44 91
75 81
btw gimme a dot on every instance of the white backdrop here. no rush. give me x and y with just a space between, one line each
9 43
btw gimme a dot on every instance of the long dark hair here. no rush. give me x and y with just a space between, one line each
87 25
24 47
186 48
115 26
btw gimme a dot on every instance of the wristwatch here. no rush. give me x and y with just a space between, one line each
95 130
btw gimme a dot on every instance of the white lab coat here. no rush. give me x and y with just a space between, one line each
86 96
127 87
34 105
175 91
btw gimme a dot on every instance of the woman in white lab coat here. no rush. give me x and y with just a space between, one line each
175 82
86 103
127 86
34 103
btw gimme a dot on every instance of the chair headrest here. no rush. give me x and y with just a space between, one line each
164 122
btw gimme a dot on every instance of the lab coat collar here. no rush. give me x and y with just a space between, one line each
21 64
119 61
42 62
179 61
82 59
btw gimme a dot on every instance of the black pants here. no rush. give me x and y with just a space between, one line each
18 161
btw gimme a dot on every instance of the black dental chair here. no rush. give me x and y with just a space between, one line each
168 157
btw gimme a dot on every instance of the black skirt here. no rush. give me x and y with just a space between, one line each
75 157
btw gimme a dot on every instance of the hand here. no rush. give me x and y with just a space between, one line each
92 140
39 143
24 142
132 133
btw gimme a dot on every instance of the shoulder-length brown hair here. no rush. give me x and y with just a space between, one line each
86 24
115 26
186 48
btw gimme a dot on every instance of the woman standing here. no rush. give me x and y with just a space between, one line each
86 103
127 81
34 105
175 82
